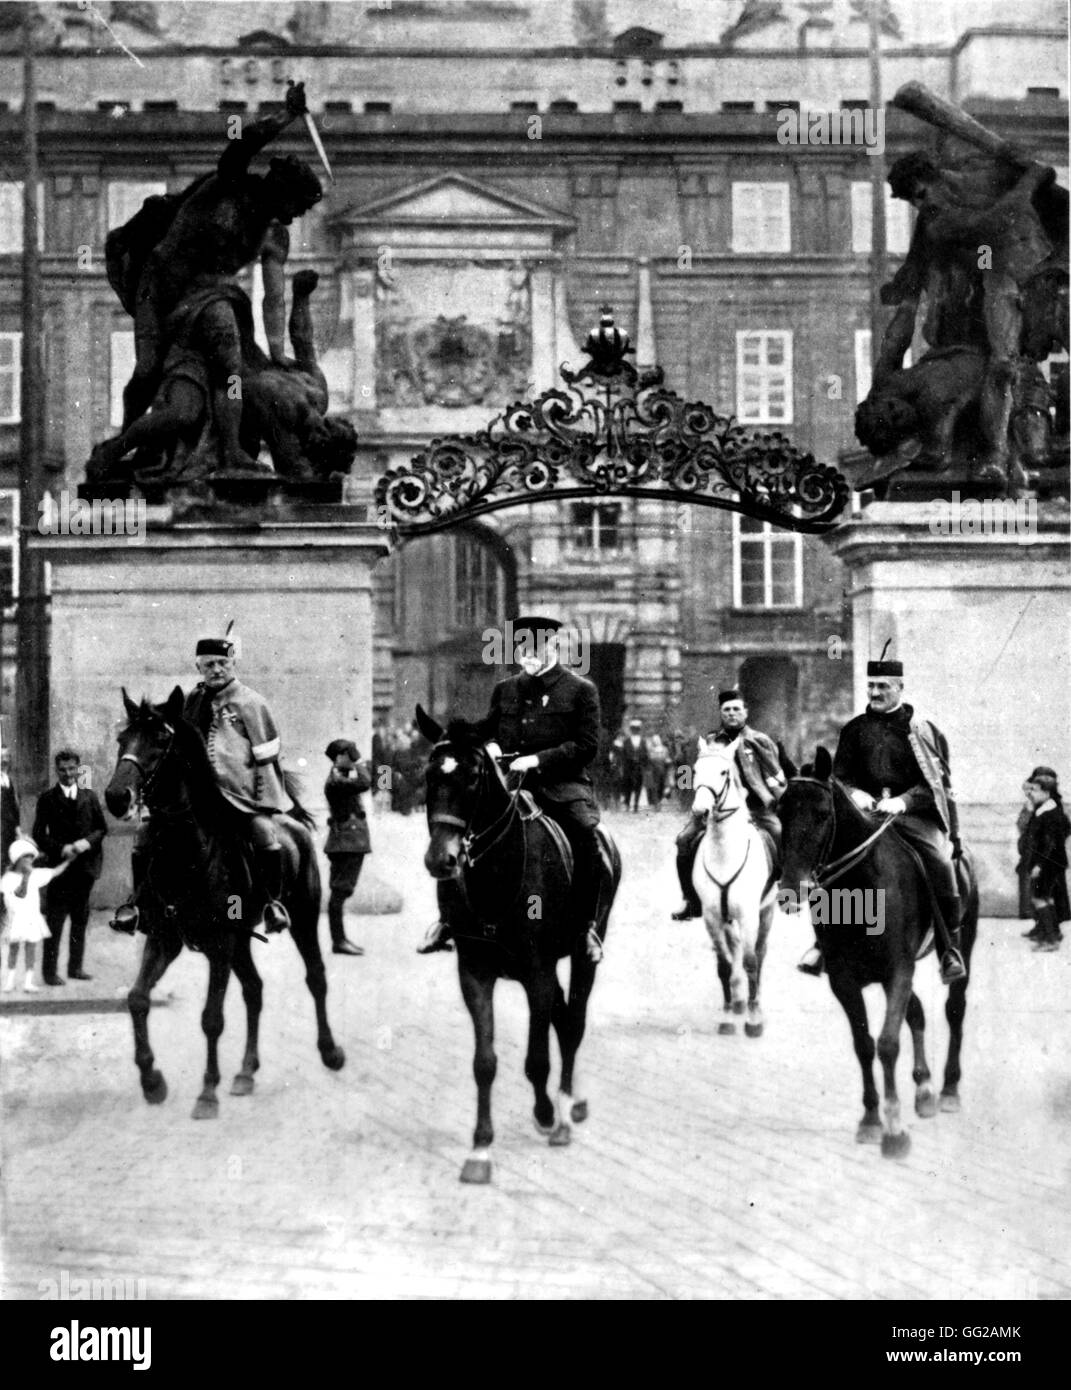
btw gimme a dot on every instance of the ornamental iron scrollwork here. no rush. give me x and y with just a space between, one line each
611 430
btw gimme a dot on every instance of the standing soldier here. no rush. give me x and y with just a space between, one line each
763 779
894 762
548 720
348 840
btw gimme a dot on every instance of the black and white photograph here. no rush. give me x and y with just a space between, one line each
535 653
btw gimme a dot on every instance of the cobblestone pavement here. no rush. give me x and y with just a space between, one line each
710 1166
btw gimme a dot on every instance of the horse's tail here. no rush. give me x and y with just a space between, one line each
297 811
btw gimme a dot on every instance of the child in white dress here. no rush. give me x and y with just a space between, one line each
21 888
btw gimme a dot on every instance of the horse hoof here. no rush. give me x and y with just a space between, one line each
895 1145
154 1088
334 1059
242 1085
925 1104
541 1128
206 1108
950 1103
726 1029
476 1170
753 1030
868 1134
579 1112
561 1137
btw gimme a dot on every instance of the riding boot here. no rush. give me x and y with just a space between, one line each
340 943
952 964
587 871
439 933
269 866
691 906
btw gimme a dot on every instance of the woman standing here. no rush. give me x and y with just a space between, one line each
348 840
21 887
1045 858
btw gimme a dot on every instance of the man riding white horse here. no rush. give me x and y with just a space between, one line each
759 767
895 763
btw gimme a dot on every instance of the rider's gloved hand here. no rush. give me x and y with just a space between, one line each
526 763
891 806
494 749
862 799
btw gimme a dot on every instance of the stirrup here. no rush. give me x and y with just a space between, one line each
952 967
276 917
593 944
126 919
813 962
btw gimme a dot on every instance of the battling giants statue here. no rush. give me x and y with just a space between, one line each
987 270
204 397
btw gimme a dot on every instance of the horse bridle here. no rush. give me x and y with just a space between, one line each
824 873
147 779
718 810
470 857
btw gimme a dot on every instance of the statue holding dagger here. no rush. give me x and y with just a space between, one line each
173 266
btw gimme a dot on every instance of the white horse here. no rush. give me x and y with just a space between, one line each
731 875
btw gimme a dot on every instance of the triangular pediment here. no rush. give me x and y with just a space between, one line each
454 200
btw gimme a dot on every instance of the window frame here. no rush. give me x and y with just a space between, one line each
115 388
769 536
896 210
153 187
15 418
465 544
784 191
18 185
594 527
13 493
763 417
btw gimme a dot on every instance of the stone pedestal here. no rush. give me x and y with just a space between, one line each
127 611
979 617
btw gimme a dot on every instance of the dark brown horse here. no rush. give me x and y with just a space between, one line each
515 923
827 840
196 890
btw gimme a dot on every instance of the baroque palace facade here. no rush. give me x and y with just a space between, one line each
502 171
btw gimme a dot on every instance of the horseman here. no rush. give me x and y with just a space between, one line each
894 762
759 766
243 747
548 720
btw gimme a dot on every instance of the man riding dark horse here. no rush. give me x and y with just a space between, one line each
548 718
893 762
759 766
243 747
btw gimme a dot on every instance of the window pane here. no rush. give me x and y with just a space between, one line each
122 368
10 377
125 197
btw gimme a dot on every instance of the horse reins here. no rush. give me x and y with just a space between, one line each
824 873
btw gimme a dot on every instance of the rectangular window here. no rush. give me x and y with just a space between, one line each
864 369
761 217
897 221
477 582
120 371
596 527
767 565
11 217
10 378
9 547
764 377
125 197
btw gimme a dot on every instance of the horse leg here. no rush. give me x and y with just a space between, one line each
846 990
725 971
754 946
478 992
206 1107
540 989
895 1142
925 1095
155 959
570 1024
253 994
955 1012
303 925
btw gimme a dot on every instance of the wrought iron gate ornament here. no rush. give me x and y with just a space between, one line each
617 432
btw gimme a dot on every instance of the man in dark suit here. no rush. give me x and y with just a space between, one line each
759 766
548 718
9 809
635 758
69 825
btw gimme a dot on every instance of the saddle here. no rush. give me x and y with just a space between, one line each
530 811
937 919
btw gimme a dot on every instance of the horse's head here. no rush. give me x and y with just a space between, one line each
715 779
143 745
806 812
458 773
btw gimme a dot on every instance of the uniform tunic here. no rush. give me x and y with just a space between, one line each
243 745
875 755
347 840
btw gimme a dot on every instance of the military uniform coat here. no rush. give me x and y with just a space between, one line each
555 716
347 822
756 759
243 746
920 749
